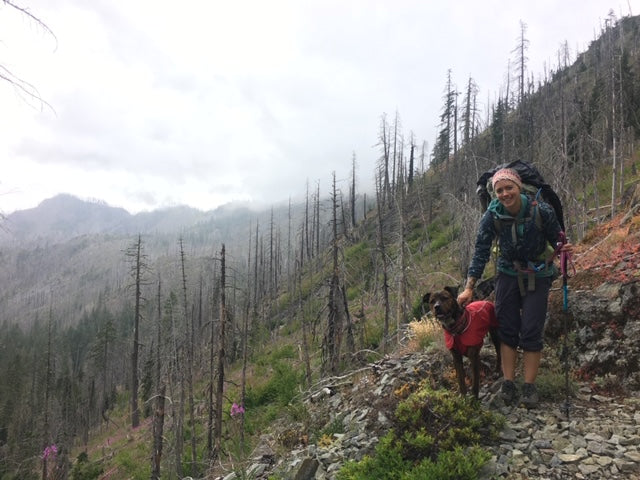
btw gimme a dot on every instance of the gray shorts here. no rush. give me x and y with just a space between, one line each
521 319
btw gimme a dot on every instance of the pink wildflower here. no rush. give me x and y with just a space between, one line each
50 451
236 409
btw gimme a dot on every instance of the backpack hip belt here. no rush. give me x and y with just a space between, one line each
529 269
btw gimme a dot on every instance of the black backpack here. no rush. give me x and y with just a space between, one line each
532 184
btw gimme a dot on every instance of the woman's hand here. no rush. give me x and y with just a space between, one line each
465 297
567 248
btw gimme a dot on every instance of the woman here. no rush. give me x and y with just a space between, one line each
525 273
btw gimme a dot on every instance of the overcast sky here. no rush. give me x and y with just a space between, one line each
202 102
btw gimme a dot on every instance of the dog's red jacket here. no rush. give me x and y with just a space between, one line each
479 317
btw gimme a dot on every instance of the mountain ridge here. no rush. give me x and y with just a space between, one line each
65 216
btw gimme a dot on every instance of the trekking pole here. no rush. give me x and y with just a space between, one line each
564 260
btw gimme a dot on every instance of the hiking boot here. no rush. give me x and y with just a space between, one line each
508 392
529 395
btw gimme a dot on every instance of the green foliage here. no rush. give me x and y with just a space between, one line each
551 384
373 333
418 235
284 301
297 412
285 352
329 430
282 353
452 419
418 310
444 238
441 232
441 431
417 442
353 292
83 469
387 463
20 475
146 384
358 257
280 388
459 464
129 461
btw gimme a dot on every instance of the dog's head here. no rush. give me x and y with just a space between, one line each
444 306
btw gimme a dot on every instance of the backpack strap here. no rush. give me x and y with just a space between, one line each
531 277
537 218
529 269
534 214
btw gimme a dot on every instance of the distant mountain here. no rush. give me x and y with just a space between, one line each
64 217
66 253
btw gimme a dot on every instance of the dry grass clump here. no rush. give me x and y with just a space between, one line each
425 334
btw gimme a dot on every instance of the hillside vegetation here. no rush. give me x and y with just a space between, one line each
168 354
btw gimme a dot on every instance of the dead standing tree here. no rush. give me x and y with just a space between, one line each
212 361
189 340
47 392
385 265
403 303
158 414
333 332
138 270
217 444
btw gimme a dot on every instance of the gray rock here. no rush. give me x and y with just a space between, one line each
308 469
599 439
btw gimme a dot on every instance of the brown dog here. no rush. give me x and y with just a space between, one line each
464 331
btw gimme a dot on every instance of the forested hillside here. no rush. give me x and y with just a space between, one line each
203 328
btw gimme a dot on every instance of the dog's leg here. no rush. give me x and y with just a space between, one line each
457 363
474 359
495 339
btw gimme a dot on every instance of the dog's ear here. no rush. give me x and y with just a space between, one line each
425 298
453 291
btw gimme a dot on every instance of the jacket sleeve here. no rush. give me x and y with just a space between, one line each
484 239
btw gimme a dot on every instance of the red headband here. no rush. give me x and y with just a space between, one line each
506 174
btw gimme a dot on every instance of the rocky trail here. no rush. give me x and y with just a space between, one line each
599 439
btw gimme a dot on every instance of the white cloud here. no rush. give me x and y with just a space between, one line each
204 102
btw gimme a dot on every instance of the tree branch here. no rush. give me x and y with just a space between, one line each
22 86
39 22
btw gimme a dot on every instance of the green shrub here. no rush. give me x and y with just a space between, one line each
418 310
459 464
442 240
551 385
329 430
441 431
387 464
451 418
83 469
285 352
353 292
298 412
281 388
358 256
273 357
133 461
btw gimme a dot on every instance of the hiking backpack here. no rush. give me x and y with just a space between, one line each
532 184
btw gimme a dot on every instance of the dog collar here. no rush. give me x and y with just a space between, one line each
461 324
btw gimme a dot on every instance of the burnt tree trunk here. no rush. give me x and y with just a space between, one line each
158 427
